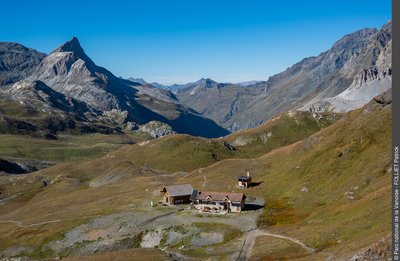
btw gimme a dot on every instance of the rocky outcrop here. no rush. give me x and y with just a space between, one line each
156 129
22 166
384 98
11 167
380 250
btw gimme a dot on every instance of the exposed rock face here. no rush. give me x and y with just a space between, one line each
68 80
17 62
38 95
157 129
374 77
37 109
362 58
70 71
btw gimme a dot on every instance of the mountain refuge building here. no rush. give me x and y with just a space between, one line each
218 201
177 194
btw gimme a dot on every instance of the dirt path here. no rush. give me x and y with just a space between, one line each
247 245
310 250
250 238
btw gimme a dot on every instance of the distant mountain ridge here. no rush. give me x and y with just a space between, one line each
175 88
355 57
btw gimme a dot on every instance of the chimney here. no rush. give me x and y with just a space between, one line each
248 174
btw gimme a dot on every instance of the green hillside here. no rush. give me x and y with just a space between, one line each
330 190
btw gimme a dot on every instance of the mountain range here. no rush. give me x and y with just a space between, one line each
343 78
69 82
348 75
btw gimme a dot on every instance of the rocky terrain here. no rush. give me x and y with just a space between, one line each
17 62
374 78
222 102
157 129
347 76
68 80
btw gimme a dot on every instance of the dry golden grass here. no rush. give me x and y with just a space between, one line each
324 217
269 249
137 254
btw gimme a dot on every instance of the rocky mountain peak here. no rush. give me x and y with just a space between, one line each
206 82
73 46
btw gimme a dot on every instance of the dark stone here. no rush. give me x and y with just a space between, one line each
229 146
49 136
11 167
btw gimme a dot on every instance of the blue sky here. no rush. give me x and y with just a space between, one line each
174 41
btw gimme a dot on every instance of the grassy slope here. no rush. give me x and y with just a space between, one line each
71 199
70 194
131 254
66 149
283 130
187 153
173 153
276 249
323 217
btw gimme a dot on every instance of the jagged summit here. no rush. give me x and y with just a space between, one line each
74 47
206 81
